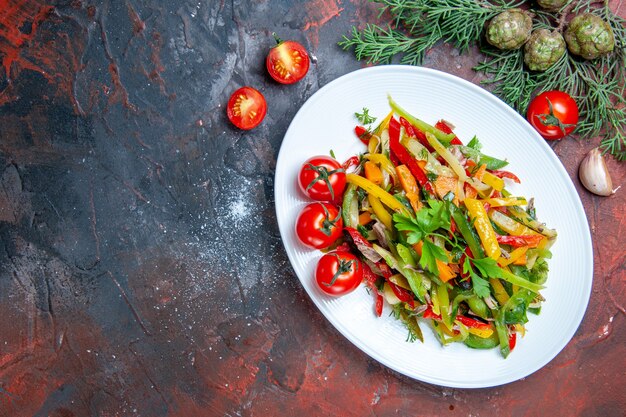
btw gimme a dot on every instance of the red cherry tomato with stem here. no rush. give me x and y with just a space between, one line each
338 273
554 114
319 225
322 178
246 108
287 62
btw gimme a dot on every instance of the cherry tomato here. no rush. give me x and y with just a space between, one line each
287 62
554 114
322 178
246 108
319 225
338 273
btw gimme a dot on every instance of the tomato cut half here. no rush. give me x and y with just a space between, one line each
287 62
246 108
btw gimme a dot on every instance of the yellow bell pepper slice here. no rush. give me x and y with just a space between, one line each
514 256
482 224
482 332
494 182
508 201
380 211
498 291
386 198
383 162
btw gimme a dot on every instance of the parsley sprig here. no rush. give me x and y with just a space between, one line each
433 222
365 118
423 227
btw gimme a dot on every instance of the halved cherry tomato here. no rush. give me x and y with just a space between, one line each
246 108
338 273
287 62
322 178
319 225
554 114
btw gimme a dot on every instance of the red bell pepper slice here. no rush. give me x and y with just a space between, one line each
473 323
466 321
370 278
505 174
512 340
446 129
405 157
350 162
384 269
402 294
416 133
363 134
532 241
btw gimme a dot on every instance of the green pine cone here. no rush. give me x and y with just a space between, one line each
543 49
552 5
589 36
509 29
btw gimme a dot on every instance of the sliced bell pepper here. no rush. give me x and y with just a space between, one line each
523 217
378 192
503 202
493 181
416 133
373 172
383 162
505 174
480 172
531 241
404 156
363 134
350 162
370 278
365 218
380 211
407 180
444 185
466 231
443 126
513 256
452 161
483 226
421 125
498 291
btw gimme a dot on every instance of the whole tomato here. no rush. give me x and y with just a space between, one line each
338 273
319 225
554 114
322 178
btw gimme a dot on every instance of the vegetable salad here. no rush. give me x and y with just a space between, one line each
439 237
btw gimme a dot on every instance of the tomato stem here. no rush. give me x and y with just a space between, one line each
343 266
323 174
277 39
550 119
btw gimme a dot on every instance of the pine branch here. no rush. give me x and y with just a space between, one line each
598 86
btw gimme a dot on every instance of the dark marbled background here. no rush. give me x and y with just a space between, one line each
141 268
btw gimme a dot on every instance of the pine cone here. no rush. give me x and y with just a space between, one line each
543 49
509 29
589 36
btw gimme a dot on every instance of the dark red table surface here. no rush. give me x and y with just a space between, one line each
141 268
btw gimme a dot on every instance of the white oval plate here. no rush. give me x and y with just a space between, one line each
326 121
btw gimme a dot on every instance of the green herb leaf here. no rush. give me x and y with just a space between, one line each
365 117
488 267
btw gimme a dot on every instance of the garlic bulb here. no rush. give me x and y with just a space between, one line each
594 174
